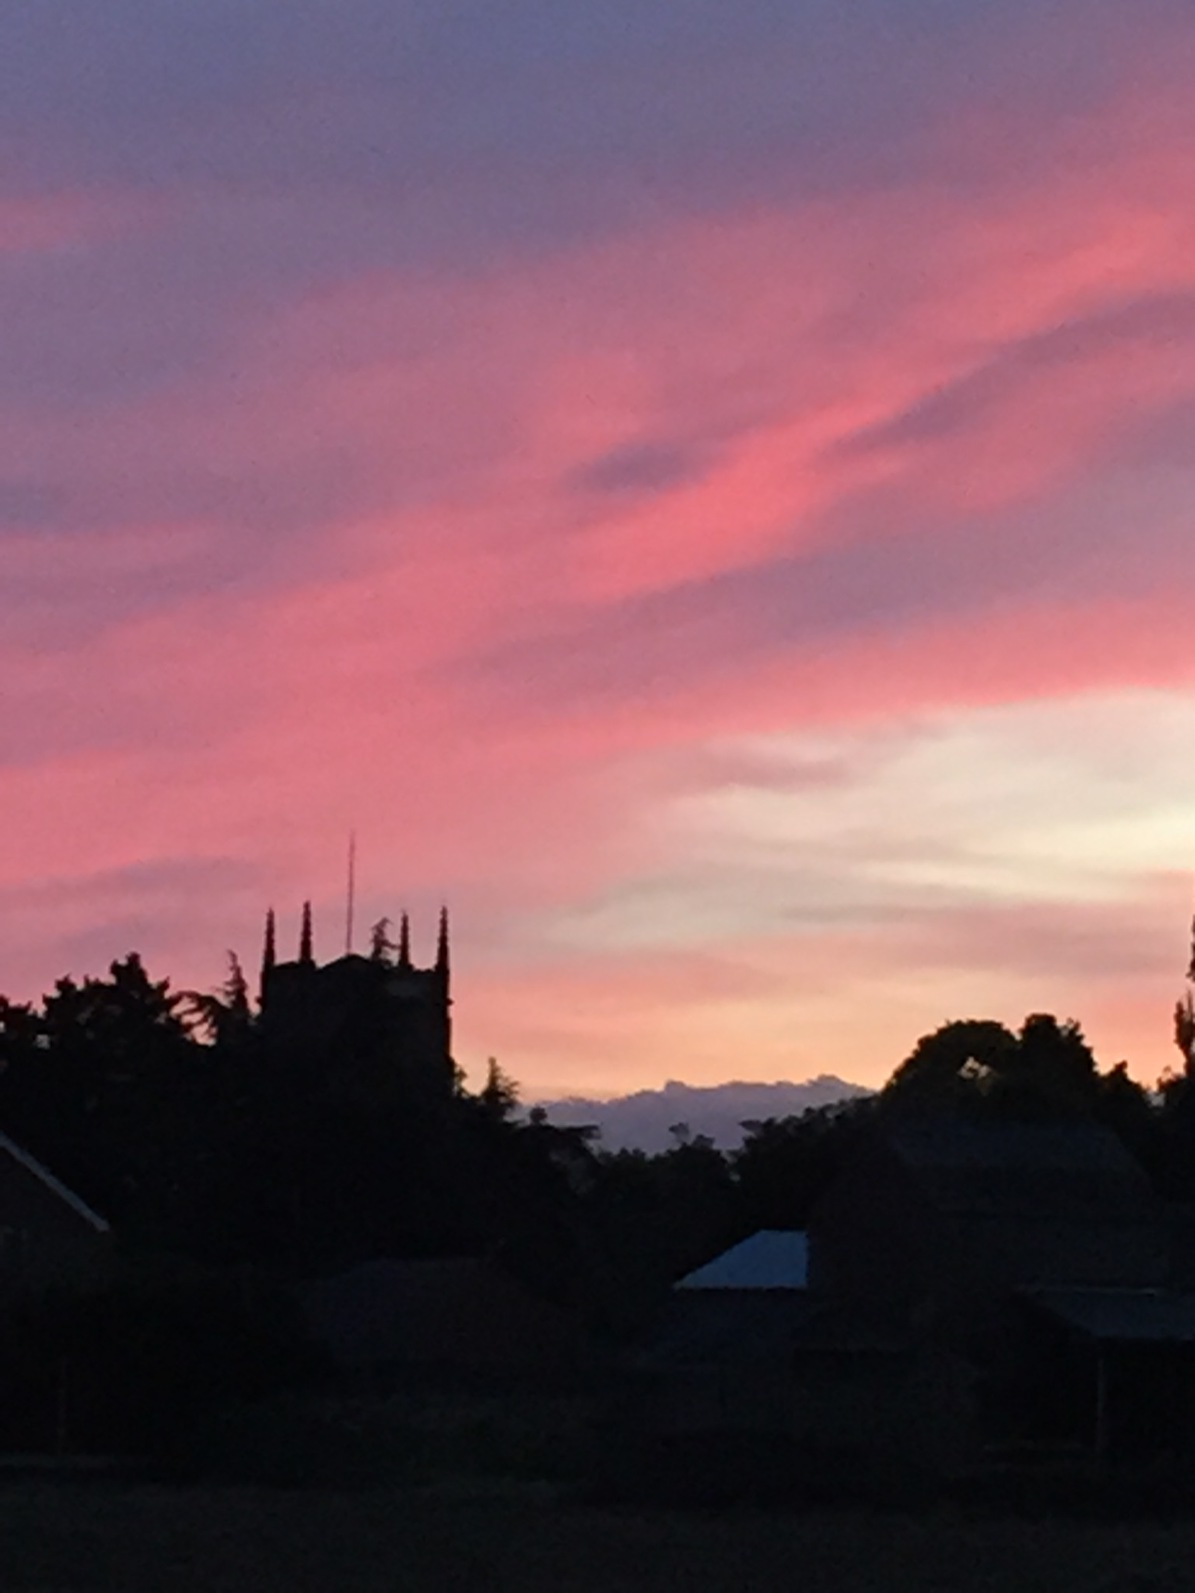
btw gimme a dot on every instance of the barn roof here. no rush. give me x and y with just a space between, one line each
773 1258
1122 1316
1058 1170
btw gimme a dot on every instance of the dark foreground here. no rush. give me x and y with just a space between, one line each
64 1538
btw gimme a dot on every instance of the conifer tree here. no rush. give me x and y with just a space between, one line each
499 1094
1184 1015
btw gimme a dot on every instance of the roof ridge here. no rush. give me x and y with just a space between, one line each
42 1173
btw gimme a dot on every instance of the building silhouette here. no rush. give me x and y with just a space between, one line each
375 1024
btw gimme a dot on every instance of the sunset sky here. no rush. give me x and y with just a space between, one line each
707 490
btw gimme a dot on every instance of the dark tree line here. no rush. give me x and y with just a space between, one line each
172 1115
232 1163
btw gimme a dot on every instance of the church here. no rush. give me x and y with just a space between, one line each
373 1023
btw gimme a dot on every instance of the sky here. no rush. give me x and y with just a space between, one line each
704 490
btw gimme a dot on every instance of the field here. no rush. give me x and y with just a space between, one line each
64 1538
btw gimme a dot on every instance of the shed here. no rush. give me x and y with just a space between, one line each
1120 1363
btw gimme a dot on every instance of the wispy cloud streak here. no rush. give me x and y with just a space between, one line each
501 429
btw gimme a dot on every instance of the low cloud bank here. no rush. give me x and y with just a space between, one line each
647 1119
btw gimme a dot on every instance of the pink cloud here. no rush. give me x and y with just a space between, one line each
390 559
43 223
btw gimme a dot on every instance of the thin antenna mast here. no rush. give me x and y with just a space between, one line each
352 892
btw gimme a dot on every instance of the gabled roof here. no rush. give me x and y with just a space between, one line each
1122 1316
55 1185
773 1258
1043 1170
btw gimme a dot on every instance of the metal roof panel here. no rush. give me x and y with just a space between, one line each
773 1258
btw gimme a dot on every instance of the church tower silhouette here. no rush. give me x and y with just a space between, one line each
376 1022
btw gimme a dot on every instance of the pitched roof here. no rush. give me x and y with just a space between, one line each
1136 1316
773 1258
1067 1170
55 1185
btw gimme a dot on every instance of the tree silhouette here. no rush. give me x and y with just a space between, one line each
100 1086
979 1066
381 947
226 1016
954 1066
785 1163
1052 1071
499 1095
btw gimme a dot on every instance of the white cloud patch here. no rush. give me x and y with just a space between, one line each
1060 802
